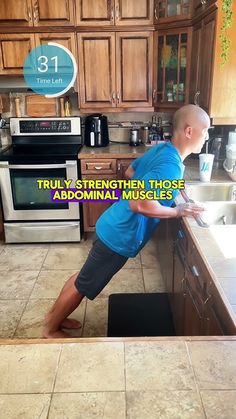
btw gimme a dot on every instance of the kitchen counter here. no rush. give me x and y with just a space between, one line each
119 378
113 150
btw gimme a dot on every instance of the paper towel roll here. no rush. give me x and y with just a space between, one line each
232 137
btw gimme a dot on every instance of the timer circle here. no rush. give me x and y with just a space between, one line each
50 70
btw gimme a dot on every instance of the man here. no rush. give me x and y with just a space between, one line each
125 227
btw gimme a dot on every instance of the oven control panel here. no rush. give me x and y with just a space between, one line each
45 126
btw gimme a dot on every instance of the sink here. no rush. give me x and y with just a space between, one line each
218 213
211 192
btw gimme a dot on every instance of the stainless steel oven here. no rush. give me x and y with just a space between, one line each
29 213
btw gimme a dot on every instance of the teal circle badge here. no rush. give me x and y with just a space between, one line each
50 70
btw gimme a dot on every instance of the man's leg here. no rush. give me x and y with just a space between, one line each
68 300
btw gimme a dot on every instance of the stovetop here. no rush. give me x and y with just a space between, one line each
43 153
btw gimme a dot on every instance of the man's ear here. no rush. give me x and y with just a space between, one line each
188 132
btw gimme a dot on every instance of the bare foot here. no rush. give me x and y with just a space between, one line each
71 324
56 334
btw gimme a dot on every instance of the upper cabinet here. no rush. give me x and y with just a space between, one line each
123 76
172 65
37 13
172 9
212 85
16 12
114 12
14 48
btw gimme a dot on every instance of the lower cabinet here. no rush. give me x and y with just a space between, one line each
196 307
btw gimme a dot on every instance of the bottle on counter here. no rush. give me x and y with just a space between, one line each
67 107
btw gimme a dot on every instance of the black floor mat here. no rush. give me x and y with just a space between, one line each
139 315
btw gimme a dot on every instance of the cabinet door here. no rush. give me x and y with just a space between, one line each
97 70
212 325
53 13
172 9
122 166
134 63
67 40
93 210
206 60
134 12
173 68
192 316
14 49
94 12
178 300
16 13
194 89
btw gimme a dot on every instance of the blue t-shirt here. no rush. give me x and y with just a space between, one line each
125 231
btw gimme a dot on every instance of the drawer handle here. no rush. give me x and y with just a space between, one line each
208 298
195 271
98 167
181 234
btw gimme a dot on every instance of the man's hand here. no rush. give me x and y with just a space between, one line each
188 209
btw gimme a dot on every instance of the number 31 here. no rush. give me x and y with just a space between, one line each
43 60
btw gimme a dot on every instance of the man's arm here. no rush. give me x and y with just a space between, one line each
155 210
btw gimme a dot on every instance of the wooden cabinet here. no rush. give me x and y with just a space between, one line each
36 13
67 40
215 84
172 68
123 76
53 13
172 10
96 169
178 298
114 12
122 166
14 48
16 13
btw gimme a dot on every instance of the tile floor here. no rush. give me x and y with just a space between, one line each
31 277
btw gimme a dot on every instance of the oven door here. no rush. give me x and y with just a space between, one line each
23 200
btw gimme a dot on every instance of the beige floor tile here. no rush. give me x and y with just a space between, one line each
88 405
125 281
214 364
153 281
219 404
90 367
10 314
157 366
149 255
16 285
133 263
22 258
31 322
50 283
24 406
96 318
164 405
65 258
28 368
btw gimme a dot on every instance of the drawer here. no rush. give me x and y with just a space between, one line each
95 166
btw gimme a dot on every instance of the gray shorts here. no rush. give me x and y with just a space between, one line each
101 265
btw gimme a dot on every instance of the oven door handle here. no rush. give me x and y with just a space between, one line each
38 166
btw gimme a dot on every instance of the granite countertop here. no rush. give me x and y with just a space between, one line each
113 150
119 378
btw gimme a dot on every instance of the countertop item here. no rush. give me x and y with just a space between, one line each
117 378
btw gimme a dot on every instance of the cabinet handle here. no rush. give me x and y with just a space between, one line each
155 13
181 234
112 15
119 166
203 2
98 167
197 94
117 13
113 97
29 15
195 271
36 13
208 298
118 97
154 95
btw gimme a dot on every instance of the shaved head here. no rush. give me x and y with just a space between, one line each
189 115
